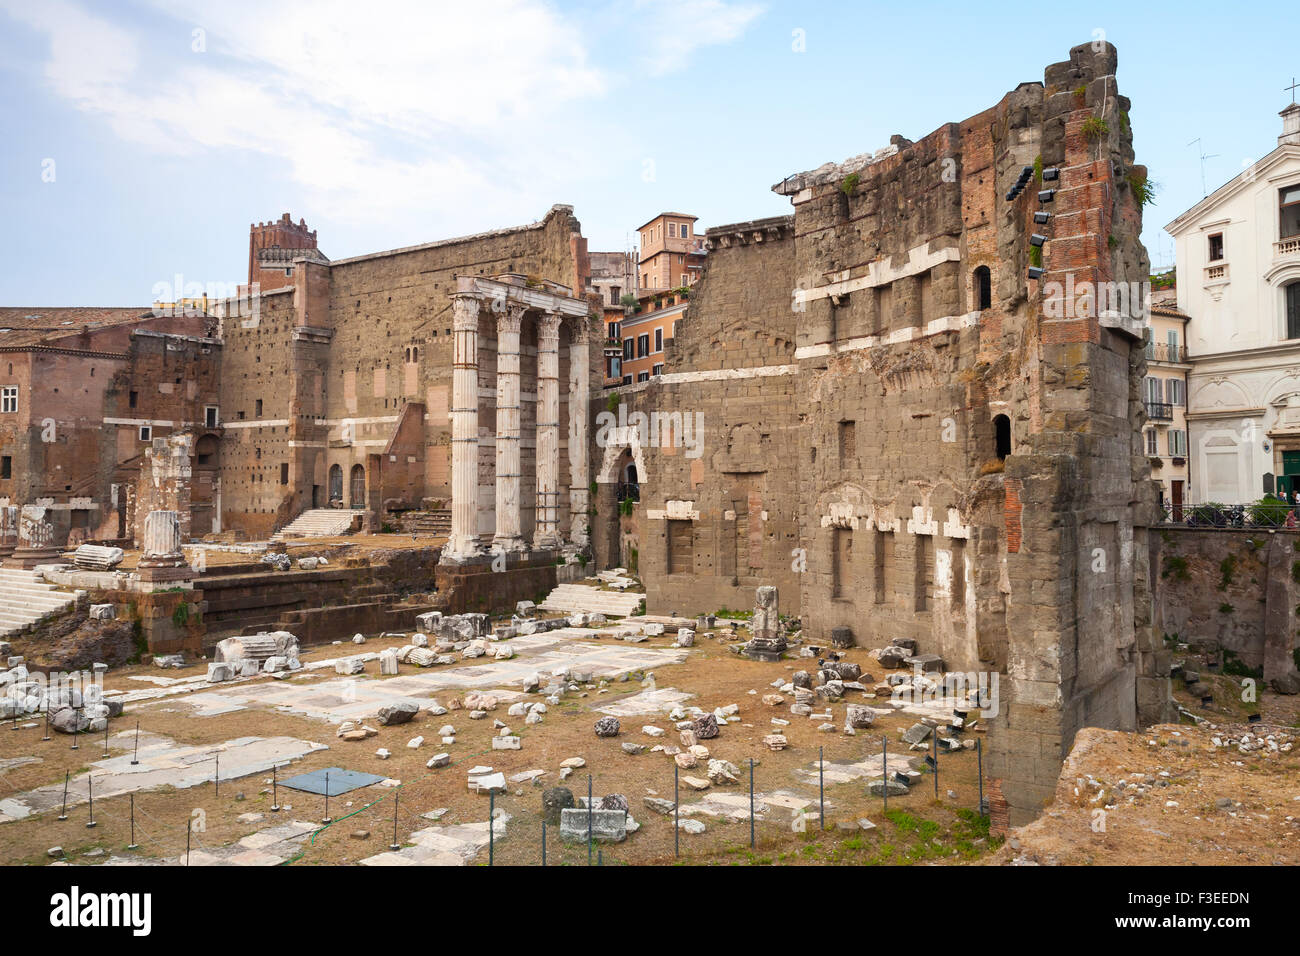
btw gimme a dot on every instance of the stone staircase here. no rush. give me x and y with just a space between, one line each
435 524
318 523
26 599
582 597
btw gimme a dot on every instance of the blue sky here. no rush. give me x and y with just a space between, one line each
173 125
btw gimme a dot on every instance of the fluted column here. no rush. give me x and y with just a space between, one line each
35 540
161 560
547 534
579 465
463 542
509 536
8 530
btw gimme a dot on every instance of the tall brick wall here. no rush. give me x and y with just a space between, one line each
339 358
851 381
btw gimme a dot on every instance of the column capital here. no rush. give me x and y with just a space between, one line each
548 324
511 318
580 329
464 311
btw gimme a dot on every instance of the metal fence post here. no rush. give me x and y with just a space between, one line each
821 784
751 803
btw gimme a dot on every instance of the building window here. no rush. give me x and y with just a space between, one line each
983 288
146 433
848 442
672 230
615 368
1216 247
659 340
627 379
627 350
1289 212
257 408
211 416
132 399
1293 311
1177 443
9 399
643 376
7 466
658 369
1174 388
643 345
284 472
1002 435
1152 447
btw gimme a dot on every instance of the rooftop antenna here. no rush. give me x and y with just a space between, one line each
1204 156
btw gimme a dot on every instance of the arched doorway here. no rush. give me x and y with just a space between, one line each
357 497
336 484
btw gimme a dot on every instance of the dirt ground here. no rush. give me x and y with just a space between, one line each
1179 819
1204 804
917 827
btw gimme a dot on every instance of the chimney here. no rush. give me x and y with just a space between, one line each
1290 126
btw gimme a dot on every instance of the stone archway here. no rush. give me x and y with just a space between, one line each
615 534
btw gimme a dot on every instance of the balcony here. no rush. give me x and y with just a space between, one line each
1216 272
1160 411
1286 248
1164 352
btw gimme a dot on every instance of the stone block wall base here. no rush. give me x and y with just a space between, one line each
475 587
28 558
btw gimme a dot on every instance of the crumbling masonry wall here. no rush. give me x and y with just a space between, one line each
853 365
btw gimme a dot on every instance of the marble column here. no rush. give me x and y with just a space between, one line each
463 542
509 536
161 559
8 530
35 544
579 409
162 540
547 534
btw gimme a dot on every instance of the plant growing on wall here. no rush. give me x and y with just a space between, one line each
1144 192
850 183
1095 128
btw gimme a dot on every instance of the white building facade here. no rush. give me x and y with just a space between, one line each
1238 256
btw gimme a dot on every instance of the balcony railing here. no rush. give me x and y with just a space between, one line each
1164 352
1160 411
1265 513
1287 247
1217 272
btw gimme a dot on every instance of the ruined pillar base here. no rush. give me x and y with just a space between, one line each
28 558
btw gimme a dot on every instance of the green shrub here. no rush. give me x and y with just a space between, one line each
1174 566
1269 512
1095 128
850 183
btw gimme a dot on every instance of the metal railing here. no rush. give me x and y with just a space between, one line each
1160 411
1164 352
1266 513
629 490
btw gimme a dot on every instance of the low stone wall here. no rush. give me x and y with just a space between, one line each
1233 591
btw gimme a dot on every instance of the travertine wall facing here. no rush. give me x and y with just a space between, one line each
850 376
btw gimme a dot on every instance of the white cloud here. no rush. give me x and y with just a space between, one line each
394 109
675 29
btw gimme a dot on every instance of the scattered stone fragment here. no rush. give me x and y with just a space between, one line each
607 727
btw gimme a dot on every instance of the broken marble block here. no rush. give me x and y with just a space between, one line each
400 712
607 727
349 666
103 612
388 662
605 826
220 671
859 716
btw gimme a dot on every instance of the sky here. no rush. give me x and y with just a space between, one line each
141 139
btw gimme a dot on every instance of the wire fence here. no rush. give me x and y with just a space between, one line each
751 813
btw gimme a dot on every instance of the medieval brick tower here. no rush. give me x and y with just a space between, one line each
272 248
